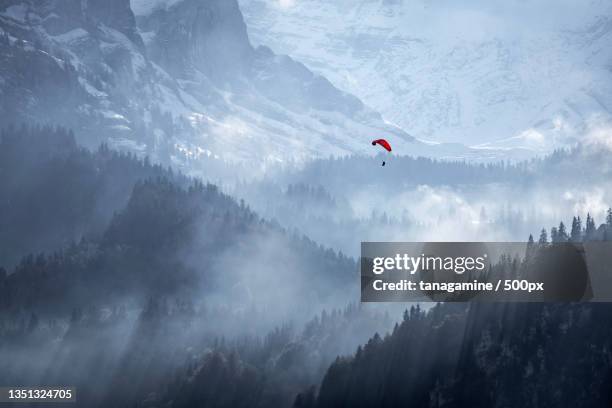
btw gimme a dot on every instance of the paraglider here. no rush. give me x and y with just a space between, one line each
386 145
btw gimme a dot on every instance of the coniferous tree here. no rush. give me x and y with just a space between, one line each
562 233
554 235
530 246
543 237
576 232
590 228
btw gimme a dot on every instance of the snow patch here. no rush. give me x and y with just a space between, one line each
71 36
114 116
93 91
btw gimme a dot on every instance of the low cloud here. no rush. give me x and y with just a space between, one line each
599 134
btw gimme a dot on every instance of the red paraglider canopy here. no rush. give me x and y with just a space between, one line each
383 143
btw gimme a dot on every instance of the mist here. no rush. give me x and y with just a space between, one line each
414 199
182 202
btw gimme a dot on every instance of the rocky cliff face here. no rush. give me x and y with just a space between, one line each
194 35
76 63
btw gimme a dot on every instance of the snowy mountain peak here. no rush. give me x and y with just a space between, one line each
180 81
474 72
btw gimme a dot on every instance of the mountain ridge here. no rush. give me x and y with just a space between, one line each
86 65
182 85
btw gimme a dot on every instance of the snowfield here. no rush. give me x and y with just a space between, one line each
492 74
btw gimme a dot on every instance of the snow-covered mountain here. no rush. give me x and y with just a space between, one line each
490 73
191 85
179 80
